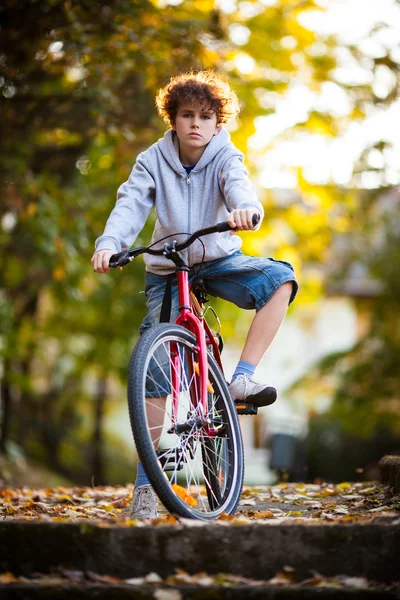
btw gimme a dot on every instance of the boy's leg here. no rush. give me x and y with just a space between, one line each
265 325
144 501
262 331
254 283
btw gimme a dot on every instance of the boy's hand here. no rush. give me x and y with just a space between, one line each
241 219
100 261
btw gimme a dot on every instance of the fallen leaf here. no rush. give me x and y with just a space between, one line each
264 514
184 495
102 578
7 577
247 502
167 520
341 510
225 517
163 594
345 485
354 582
153 578
134 581
283 577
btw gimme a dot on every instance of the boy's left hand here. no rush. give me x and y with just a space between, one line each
241 219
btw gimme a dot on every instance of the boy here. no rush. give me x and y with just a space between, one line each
194 176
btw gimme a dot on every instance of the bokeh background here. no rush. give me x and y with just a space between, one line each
320 127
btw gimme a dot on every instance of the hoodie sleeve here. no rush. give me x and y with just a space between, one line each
135 199
235 186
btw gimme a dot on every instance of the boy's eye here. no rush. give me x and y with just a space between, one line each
189 115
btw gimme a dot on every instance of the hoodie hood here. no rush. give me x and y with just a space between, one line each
169 148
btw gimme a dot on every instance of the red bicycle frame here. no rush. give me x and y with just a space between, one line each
200 328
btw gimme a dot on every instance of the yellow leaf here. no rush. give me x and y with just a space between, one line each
132 523
168 520
7 577
264 514
226 517
184 495
345 485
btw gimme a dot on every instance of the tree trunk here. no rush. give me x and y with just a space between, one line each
97 440
5 403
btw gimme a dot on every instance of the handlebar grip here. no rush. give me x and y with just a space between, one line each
224 226
221 227
120 259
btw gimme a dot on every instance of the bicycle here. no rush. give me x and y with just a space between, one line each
184 422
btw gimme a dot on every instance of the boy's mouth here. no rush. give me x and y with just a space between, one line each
194 134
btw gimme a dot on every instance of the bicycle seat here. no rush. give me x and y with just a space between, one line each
199 283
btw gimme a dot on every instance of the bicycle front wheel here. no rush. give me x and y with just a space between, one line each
193 461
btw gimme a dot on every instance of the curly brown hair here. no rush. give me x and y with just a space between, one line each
205 87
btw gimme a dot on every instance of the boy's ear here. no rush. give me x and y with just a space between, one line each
218 129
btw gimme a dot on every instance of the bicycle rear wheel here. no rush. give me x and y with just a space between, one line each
195 473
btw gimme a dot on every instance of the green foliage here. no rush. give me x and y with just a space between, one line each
367 393
364 380
78 83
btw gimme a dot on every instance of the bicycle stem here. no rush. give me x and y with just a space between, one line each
123 258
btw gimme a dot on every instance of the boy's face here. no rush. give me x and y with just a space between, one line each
195 125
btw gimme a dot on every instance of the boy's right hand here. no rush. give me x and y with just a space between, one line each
101 259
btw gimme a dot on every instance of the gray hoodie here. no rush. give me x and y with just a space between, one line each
217 185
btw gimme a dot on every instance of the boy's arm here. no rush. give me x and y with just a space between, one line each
135 199
240 199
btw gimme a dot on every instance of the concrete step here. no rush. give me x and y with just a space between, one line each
125 592
255 551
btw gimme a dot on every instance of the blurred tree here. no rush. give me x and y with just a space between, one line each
364 380
77 83
363 256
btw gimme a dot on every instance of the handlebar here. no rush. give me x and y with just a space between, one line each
123 258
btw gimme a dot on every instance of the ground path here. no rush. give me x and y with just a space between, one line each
318 539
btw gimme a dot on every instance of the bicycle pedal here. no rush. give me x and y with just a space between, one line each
246 408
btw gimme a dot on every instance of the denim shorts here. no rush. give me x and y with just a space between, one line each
247 281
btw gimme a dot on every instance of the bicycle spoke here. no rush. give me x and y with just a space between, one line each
195 472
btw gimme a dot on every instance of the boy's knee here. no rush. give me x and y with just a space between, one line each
286 288
285 291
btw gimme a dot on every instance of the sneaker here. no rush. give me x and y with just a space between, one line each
144 503
244 389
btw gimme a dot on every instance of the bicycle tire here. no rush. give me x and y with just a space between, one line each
195 488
